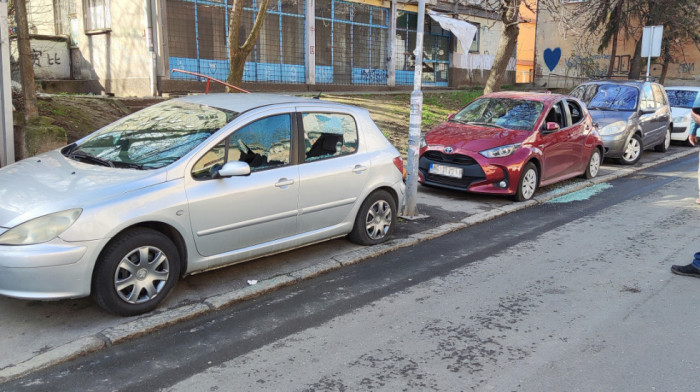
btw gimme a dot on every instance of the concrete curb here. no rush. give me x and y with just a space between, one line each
153 322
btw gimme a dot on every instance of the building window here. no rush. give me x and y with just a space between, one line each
477 37
97 16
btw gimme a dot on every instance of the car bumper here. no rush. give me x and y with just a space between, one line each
52 270
614 145
680 133
479 175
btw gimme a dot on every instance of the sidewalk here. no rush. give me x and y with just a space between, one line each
36 334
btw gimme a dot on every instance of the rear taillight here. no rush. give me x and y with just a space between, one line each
398 162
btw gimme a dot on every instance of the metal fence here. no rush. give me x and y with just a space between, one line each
351 42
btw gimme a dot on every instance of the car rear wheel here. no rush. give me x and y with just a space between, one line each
633 151
663 147
375 220
527 184
593 165
135 272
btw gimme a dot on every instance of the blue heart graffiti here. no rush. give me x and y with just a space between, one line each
551 58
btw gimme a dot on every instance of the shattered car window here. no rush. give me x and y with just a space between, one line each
614 97
682 98
508 113
154 137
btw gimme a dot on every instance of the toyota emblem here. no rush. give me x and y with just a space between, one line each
448 150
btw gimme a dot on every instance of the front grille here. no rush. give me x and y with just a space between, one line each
471 170
456 159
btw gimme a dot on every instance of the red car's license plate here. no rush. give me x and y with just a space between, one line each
447 171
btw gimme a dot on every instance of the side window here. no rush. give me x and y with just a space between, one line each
262 144
659 97
576 112
328 135
556 115
647 101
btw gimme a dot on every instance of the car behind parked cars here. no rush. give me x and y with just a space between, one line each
189 185
510 143
682 100
632 116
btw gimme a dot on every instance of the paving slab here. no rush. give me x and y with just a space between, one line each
37 334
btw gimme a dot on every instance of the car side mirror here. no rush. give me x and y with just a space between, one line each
232 169
550 127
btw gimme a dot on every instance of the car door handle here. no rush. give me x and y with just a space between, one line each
283 182
359 169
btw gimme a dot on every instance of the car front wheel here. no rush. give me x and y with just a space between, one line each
663 147
135 272
633 151
375 220
527 184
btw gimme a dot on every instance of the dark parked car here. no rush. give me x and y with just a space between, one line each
510 143
632 116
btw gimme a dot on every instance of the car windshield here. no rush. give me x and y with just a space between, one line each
507 113
682 98
153 137
612 97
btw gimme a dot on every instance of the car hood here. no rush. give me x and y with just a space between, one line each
606 117
679 112
50 182
473 137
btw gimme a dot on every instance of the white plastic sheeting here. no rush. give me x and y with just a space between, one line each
463 30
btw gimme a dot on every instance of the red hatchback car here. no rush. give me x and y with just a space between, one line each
510 143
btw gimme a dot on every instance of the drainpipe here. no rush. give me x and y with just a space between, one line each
150 45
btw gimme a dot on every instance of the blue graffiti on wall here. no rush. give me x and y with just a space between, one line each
578 61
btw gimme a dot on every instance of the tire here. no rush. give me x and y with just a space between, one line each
633 151
376 219
528 183
663 147
125 284
593 165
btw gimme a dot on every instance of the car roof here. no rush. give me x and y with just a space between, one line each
688 88
242 102
530 96
624 82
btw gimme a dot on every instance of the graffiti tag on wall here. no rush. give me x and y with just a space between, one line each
48 58
687 67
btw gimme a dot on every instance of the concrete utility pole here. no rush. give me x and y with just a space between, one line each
414 126
7 139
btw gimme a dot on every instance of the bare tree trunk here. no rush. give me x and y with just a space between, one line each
239 53
667 59
613 53
506 45
26 62
636 63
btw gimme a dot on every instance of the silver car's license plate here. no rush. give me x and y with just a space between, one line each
447 171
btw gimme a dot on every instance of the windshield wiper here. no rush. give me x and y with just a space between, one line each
83 156
128 165
486 124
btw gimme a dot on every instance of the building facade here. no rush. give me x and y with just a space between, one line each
133 47
566 54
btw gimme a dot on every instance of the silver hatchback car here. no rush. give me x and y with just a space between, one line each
189 185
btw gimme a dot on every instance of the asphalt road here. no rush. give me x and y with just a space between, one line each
570 295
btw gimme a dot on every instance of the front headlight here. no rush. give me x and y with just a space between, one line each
614 128
422 142
41 229
681 119
502 151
